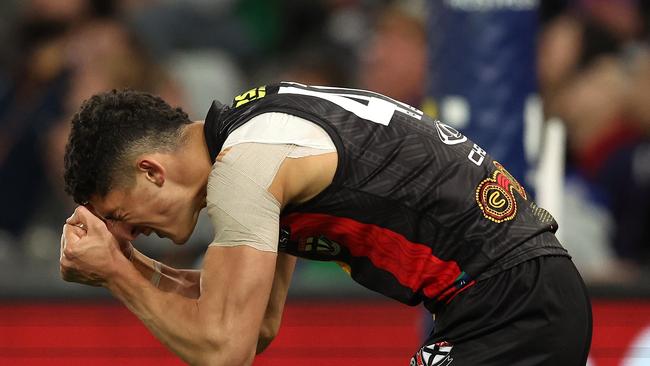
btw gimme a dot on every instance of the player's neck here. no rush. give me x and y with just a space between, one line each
197 157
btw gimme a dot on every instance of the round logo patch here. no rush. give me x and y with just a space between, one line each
496 202
496 195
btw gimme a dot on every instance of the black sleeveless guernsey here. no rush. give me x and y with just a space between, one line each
416 211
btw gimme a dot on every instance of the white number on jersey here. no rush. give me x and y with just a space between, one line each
379 108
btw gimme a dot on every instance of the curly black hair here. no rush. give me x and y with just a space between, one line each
108 131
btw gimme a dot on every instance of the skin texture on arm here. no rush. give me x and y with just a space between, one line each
222 326
304 178
185 282
273 315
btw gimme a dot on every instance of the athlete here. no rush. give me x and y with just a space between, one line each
407 205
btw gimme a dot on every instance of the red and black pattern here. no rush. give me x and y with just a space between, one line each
375 251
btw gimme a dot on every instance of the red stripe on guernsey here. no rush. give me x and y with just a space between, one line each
412 264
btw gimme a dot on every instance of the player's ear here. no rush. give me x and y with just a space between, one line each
155 172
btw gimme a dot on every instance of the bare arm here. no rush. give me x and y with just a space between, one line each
273 315
219 328
185 282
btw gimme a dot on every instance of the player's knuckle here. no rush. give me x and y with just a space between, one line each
69 252
64 264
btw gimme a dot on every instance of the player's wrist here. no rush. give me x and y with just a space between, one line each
130 254
120 267
136 257
150 269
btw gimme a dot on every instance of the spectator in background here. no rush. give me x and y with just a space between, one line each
71 50
394 61
312 64
592 66
29 105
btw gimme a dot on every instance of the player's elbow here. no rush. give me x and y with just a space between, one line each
268 332
225 357
220 349
264 342
215 357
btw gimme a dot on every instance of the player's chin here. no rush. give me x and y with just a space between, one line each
182 232
180 239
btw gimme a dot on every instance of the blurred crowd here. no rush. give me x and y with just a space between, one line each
594 73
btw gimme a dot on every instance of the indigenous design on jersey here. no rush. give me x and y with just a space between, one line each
495 195
400 215
514 184
541 214
437 354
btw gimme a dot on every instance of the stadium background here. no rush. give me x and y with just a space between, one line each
501 71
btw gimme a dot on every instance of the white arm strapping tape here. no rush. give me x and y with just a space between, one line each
242 210
157 273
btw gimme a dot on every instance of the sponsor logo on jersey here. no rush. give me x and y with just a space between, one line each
320 245
477 155
449 135
253 94
495 195
437 354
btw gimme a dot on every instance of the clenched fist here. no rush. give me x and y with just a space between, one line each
90 254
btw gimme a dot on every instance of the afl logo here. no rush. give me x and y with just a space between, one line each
448 135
